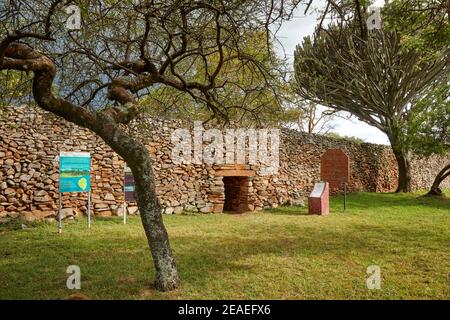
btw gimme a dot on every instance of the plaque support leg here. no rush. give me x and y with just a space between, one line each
345 196
89 209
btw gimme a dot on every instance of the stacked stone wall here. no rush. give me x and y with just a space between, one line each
31 140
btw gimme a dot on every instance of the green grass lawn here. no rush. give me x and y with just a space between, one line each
281 253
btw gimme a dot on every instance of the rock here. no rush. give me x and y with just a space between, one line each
9 191
178 210
206 209
29 216
132 210
168 210
109 197
11 208
67 212
219 208
13 215
9 162
105 213
44 198
36 215
77 214
40 193
18 167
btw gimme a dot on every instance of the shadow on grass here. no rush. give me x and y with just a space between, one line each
361 201
209 256
120 258
367 201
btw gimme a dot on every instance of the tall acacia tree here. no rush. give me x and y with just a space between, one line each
94 76
370 75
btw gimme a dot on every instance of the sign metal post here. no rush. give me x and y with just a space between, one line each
89 209
59 214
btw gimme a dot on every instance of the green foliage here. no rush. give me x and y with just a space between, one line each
429 123
338 136
423 24
14 86
250 94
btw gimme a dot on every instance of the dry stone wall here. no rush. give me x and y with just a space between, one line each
31 140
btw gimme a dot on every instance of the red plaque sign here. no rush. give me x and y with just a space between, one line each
335 168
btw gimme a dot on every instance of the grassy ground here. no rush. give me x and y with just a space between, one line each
281 254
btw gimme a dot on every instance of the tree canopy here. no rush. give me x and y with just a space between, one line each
372 76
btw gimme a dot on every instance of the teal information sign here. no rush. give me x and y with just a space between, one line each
75 172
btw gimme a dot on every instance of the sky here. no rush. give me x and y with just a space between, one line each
291 34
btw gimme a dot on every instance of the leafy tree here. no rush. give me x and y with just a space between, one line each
371 76
429 130
341 137
308 117
124 49
264 93
15 86
423 24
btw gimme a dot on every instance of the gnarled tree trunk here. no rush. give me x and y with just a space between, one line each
107 124
435 189
404 171
403 162
138 159
150 210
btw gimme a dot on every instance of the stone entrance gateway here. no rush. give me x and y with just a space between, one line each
236 181
236 194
